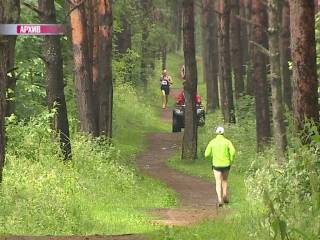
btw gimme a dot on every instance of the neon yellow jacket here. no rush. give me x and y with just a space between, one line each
220 151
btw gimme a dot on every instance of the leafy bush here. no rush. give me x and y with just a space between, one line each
290 193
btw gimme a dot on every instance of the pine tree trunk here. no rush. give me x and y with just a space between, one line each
250 84
277 107
90 11
259 37
105 68
164 56
226 92
94 50
11 83
54 78
189 144
3 79
179 27
82 70
210 53
285 54
244 35
9 12
143 70
176 21
146 8
124 37
236 49
303 52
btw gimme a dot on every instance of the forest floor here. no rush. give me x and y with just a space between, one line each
198 200
197 197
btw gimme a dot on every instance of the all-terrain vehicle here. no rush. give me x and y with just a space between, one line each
178 115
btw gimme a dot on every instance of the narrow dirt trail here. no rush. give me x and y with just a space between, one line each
198 200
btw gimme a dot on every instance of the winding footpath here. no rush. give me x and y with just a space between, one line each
197 198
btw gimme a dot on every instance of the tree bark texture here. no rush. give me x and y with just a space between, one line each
13 16
3 74
210 53
9 13
124 37
236 49
189 144
94 56
82 70
146 8
244 37
90 15
3 79
176 21
276 90
285 54
54 78
179 27
259 19
105 68
303 52
249 73
226 92
164 56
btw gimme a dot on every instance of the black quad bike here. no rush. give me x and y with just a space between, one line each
178 117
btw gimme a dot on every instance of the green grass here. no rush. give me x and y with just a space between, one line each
202 168
233 225
239 221
99 192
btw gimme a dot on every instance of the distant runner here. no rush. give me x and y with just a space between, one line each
165 81
222 153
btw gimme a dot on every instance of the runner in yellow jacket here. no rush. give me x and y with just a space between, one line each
222 153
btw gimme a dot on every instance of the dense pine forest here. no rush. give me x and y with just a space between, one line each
87 144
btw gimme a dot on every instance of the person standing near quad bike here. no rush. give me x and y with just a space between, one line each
165 81
222 153
180 99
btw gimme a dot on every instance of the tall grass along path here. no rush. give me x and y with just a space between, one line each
197 198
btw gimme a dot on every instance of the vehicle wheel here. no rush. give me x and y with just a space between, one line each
175 123
201 121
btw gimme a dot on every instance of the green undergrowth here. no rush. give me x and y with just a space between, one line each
233 224
268 200
239 217
98 192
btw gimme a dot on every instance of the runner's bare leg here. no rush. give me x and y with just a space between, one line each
163 98
225 186
218 178
166 100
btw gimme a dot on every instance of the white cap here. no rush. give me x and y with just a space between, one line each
220 130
